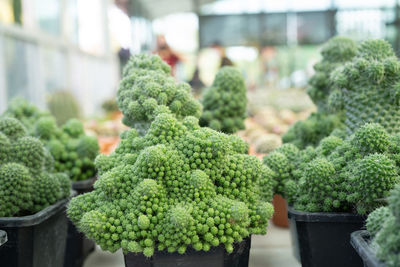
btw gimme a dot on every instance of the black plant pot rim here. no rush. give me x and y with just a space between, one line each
3 237
340 217
34 219
84 184
359 243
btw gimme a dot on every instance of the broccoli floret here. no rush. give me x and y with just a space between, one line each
179 185
148 90
27 184
225 102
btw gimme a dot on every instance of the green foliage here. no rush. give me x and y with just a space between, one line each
376 219
27 183
352 175
335 53
367 87
71 150
384 226
224 104
147 89
63 106
310 131
179 185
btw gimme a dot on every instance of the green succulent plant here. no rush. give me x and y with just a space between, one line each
27 181
72 150
224 103
175 185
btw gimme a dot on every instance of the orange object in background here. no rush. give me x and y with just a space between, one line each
108 144
280 217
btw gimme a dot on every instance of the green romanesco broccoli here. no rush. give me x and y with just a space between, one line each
27 183
224 103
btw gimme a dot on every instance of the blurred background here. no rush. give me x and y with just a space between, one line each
68 55
79 46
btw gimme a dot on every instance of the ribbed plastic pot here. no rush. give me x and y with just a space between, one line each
360 241
215 257
36 240
78 246
323 238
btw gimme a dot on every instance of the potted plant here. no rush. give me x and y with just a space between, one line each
380 244
224 103
73 152
172 192
32 200
332 187
319 124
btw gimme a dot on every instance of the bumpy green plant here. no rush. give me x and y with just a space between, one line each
147 89
224 103
72 150
336 52
173 186
384 227
376 219
63 106
353 175
367 88
27 181
310 131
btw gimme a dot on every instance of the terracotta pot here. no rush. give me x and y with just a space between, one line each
280 217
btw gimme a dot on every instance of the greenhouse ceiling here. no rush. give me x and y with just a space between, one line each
159 8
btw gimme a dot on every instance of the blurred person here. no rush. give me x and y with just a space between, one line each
169 56
225 61
196 83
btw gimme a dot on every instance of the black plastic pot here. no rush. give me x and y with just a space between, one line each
37 240
215 257
360 242
78 245
323 238
3 237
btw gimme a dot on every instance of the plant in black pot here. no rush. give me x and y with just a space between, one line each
32 200
73 152
379 245
331 188
177 194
